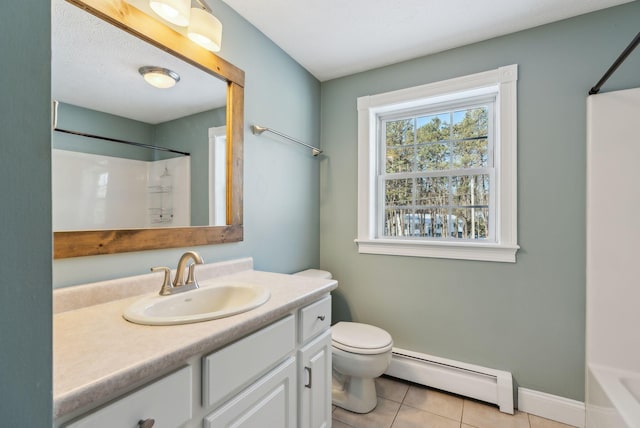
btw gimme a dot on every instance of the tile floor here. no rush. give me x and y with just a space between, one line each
406 405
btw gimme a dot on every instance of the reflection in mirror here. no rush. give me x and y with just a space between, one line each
202 115
102 184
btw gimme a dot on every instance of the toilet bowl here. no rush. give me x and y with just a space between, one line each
360 353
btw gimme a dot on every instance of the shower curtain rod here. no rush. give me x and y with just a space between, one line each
257 130
616 64
113 140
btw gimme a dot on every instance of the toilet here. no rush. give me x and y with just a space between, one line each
360 353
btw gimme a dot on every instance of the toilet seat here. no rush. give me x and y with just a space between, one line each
360 338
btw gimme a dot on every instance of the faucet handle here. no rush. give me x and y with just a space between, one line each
191 275
192 283
166 282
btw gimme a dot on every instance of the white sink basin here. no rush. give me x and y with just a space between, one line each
203 304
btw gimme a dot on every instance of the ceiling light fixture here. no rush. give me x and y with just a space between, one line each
203 27
159 77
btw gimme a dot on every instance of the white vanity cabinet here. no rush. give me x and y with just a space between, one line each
294 394
314 365
278 376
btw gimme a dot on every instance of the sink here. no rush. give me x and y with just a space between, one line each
205 303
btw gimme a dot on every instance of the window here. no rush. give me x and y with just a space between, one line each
437 169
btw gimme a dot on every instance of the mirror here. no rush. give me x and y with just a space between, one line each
194 63
127 154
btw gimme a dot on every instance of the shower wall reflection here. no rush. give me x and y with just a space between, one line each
100 184
93 192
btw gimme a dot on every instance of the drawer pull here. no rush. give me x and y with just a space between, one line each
147 423
321 317
308 370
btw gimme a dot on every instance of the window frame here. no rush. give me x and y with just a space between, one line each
501 83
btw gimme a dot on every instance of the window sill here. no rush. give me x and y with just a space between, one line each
442 250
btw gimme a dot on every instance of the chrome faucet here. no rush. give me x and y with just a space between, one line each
179 285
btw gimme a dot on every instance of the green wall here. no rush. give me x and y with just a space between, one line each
527 317
281 180
25 215
87 121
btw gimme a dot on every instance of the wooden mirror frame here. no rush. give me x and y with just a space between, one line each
96 242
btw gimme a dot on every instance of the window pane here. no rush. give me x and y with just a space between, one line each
481 189
434 128
399 159
433 157
397 222
399 132
425 223
470 190
430 222
470 223
470 123
471 153
432 191
460 190
398 192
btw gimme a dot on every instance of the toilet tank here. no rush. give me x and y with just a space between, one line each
315 273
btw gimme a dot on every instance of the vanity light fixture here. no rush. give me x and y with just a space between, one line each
159 77
203 28
174 11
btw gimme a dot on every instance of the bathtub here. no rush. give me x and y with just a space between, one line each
613 398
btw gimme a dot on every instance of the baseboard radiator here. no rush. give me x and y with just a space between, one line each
481 383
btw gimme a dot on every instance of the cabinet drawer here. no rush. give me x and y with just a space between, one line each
232 368
167 401
314 319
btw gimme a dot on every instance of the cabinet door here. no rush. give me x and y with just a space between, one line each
270 402
233 368
314 372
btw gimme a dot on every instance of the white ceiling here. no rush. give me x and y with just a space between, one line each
334 38
95 65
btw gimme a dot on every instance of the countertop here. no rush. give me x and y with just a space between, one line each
98 355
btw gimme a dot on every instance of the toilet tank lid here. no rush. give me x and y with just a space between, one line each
360 336
316 273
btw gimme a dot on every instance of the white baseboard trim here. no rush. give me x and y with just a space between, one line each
485 384
560 409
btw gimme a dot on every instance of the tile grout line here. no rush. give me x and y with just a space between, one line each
462 413
399 407
464 402
395 416
404 396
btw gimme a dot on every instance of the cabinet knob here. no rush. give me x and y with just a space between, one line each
321 317
147 423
